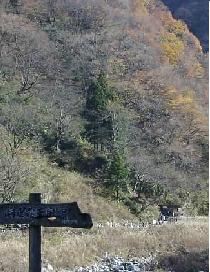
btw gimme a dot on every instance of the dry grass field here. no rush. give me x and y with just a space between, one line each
181 242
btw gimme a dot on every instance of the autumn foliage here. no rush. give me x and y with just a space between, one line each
103 85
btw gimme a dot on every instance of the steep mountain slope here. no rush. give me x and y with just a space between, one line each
195 14
115 90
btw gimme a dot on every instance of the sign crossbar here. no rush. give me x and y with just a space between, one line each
36 215
46 215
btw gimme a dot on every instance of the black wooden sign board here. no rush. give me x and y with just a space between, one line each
38 214
46 215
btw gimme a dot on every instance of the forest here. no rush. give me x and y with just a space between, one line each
116 91
105 102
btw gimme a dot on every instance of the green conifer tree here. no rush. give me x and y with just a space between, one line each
117 175
98 129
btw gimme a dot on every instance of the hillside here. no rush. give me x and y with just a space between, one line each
104 102
114 90
195 14
31 171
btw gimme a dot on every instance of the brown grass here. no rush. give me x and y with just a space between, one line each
13 253
63 249
58 185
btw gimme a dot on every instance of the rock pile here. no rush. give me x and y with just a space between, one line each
117 264
114 264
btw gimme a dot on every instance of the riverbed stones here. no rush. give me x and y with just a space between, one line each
113 264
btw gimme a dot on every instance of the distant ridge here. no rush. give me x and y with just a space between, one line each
195 15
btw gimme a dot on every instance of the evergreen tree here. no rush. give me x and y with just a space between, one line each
117 175
98 129
99 94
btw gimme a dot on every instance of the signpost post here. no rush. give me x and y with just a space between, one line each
38 214
35 262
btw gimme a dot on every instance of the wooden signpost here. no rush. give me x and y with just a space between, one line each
38 214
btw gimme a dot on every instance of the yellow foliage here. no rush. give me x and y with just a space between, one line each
176 27
196 70
182 100
185 102
173 26
177 99
173 47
